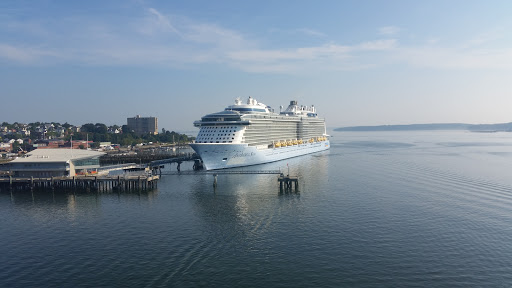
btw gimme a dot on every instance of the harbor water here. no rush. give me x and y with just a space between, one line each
379 209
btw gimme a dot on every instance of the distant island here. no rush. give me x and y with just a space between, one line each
501 127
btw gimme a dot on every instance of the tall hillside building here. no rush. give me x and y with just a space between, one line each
143 125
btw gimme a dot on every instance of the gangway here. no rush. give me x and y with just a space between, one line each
223 172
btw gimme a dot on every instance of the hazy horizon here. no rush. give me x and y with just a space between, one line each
360 63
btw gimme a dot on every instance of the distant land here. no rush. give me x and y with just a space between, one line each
501 127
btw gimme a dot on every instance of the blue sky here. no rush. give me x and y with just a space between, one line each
358 62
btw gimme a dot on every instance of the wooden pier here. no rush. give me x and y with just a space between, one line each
84 183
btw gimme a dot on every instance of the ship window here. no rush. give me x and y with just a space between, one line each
217 142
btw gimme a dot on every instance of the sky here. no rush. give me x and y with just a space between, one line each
359 62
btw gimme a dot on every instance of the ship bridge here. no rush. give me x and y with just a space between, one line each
252 106
295 110
216 118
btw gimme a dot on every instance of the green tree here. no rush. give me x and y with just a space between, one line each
89 127
126 129
100 128
15 147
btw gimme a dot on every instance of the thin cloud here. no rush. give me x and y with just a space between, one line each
486 37
311 32
456 58
432 41
389 30
377 45
21 54
154 38
327 51
160 21
299 31
213 34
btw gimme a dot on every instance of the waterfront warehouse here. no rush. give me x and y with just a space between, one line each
54 163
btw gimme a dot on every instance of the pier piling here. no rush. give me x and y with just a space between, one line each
287 182
96 183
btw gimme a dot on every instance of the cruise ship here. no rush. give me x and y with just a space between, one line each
252 133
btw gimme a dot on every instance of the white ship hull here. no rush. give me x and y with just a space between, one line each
221 156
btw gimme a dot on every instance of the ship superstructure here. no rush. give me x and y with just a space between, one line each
252 133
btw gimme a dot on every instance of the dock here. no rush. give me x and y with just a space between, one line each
287 182
84 183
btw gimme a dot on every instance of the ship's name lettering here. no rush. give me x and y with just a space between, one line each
242 154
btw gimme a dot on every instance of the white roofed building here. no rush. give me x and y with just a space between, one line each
54 162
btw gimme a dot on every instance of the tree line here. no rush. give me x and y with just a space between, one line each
100 133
